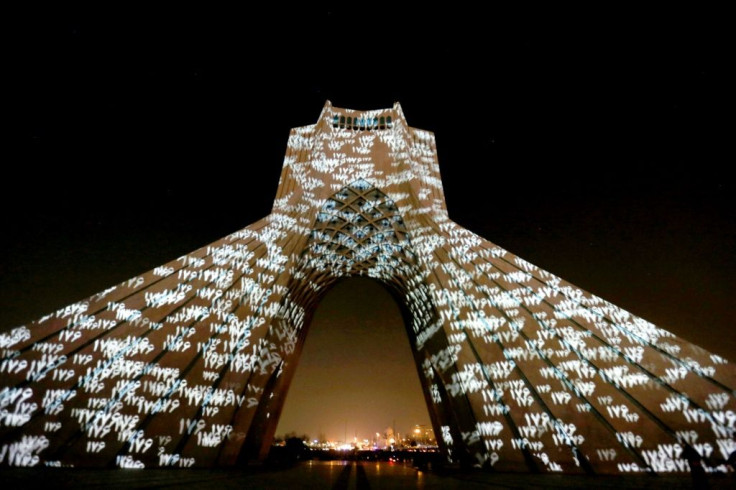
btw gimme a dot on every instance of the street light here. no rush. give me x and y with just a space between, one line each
418 433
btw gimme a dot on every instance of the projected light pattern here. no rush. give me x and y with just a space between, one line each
188 364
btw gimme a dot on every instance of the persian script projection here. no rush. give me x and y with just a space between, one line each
187 365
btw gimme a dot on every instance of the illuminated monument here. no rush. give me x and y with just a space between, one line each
188 364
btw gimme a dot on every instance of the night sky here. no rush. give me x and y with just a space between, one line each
598 150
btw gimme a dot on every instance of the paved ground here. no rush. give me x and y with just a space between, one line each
335 475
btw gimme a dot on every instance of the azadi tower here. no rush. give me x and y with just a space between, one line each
188 365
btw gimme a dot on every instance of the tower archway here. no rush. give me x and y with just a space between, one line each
358 231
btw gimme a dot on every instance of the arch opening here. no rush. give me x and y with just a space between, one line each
356 375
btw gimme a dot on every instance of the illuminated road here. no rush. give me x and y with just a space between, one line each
343 475
335 475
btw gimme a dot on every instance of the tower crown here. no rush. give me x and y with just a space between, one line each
370 120
345 145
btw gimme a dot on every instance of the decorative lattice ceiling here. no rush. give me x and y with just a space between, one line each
359 231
